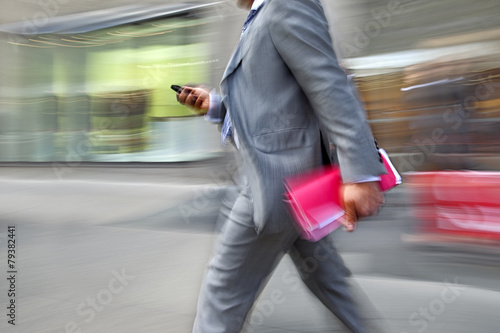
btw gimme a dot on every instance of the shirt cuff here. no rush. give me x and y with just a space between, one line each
214 109
366 180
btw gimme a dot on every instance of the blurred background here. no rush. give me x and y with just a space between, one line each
90 80
101 169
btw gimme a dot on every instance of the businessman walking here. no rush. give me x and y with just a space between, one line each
281 92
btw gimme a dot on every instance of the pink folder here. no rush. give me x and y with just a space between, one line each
314 198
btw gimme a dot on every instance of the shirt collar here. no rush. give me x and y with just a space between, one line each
257 3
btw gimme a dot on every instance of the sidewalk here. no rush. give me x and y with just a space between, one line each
110 279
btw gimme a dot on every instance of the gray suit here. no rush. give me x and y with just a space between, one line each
282 86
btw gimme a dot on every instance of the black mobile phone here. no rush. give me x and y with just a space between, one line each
176 88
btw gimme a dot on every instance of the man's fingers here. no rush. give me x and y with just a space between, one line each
198 104
350 217
183 95
192 98
368 209
200 101
195 98
371 205
360 200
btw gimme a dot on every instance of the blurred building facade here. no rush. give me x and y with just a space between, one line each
95 86
428 74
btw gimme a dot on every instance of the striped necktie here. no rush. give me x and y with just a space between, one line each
227 126
249 19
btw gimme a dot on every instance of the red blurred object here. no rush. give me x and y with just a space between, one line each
458 203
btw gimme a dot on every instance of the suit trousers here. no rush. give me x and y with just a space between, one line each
244 260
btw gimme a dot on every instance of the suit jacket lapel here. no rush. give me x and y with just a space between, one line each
239 53
241 49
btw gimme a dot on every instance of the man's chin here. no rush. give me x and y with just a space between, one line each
244 4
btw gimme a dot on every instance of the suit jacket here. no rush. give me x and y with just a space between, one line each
282 86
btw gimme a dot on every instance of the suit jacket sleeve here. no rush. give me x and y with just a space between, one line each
301 35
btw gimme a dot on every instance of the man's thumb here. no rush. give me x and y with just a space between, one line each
350 218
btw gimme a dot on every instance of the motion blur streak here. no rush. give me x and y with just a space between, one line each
103 173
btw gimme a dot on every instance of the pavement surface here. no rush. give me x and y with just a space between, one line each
124 249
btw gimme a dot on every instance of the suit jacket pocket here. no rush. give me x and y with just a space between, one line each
282 140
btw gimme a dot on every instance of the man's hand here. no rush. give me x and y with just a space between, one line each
360 200
197 98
